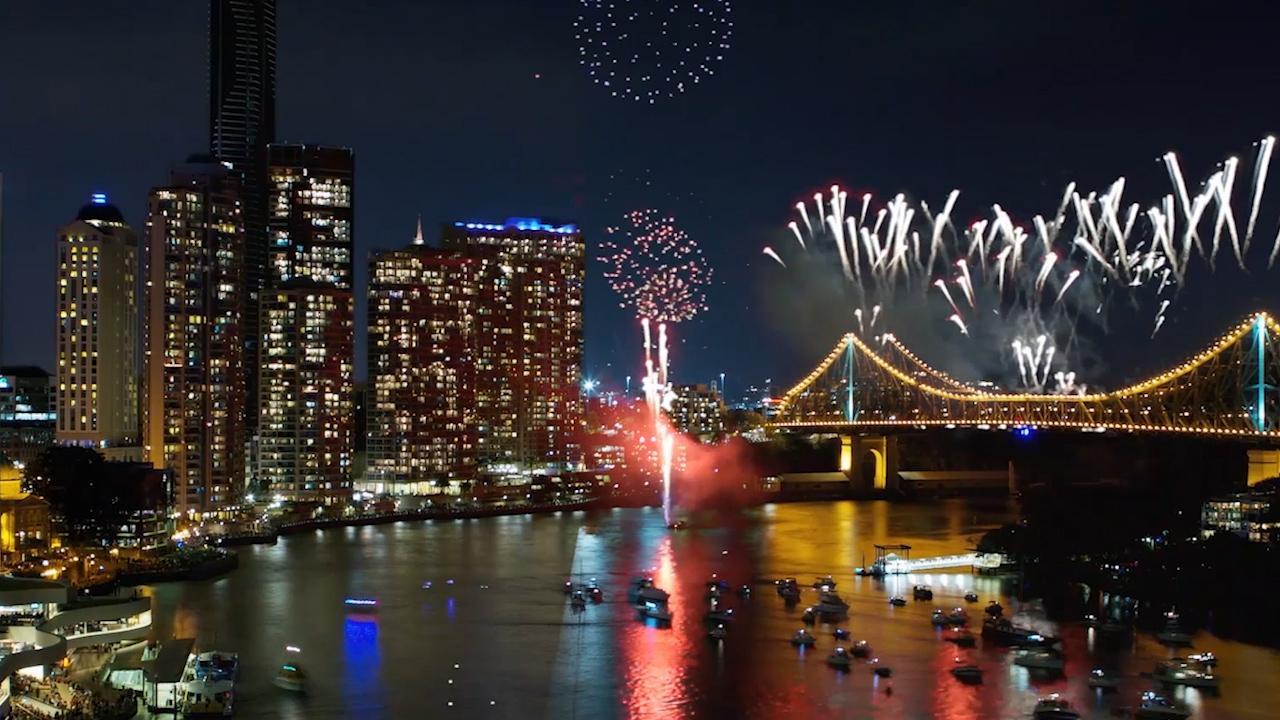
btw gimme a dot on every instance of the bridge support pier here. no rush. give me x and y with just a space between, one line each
870 461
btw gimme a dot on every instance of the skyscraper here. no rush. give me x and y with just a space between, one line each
97 328
305 396
242 117
422 374
193 352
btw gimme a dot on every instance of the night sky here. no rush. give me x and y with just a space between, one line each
474 109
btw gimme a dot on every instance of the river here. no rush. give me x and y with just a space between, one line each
471 622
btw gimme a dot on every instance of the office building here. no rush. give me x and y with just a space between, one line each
526 342
305 397
1254 516
242 110
698 411
422 428
193 352
27 416
97 328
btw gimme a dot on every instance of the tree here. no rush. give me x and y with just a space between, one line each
89 498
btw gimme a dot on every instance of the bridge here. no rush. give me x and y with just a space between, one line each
1227 389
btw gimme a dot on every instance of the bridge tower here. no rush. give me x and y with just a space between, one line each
870 461
1260 390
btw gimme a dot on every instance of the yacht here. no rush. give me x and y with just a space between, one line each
922 592
1003 632
291 676
825 583
1155 706
860 649
898 601
1172 633
967 673
840 659
1182 672
1100 680
718 633
1039 660
1054 708
803 638
971 596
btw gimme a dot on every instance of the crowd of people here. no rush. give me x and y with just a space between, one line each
64 700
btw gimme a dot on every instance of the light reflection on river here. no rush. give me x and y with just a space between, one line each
471 614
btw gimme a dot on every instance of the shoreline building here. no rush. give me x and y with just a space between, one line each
97 387
305 397
475 356
242 124
27 416
193 352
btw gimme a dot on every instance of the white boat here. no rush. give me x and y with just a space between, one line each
1039 660
840 659
207 697
215 666
803 638
1100 680
1155 706
967 673
1054 707
1182 672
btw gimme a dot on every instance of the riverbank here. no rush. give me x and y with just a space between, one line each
193 565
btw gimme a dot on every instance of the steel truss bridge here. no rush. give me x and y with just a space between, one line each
1227 389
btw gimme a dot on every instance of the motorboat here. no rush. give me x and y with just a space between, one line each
939 618
568 587
1039 660
654 611
922 592
840 659
967 673
215 666
994 609
880 670
744 591
652 594
898 601
825 583
717 583
643 588
1172 633
1054 707
290 676
1090 620
958 616
718 633
207 697
860 649
719 615
960 636
1207 659
810 616
831 605
578 600
713 593
840 634
1182 672
790 594
597 595
1100 680
787 582
803 638
1003 632
1155 706
971 596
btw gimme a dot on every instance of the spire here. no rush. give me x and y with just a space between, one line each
417 239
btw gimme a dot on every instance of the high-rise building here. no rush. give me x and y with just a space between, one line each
422 373
97 328
527 341
698 410
305 396
242 121
27 415
193 352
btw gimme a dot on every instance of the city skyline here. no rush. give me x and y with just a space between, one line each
732 201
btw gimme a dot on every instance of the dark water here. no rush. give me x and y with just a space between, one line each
493 635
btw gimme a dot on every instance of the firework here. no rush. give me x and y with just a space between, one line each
648 50
1035 295
655 268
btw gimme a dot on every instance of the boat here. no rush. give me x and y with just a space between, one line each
840 634
360 604
922 592
1182 672
744 591
1039 660
938 618
1155 706
654 611
825 583
718 616
971 596
718 633
803 638
1054 707
713 594
840 659
1172 633
810 616
652 594
1206 659
290 676
898 601
960 637
967 673
958 616
215 666
597 595
717 583
880 670
578 600
860 649
784 583
207 697
1100 680
568 587
1003 632
790 594
994 609
831 605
